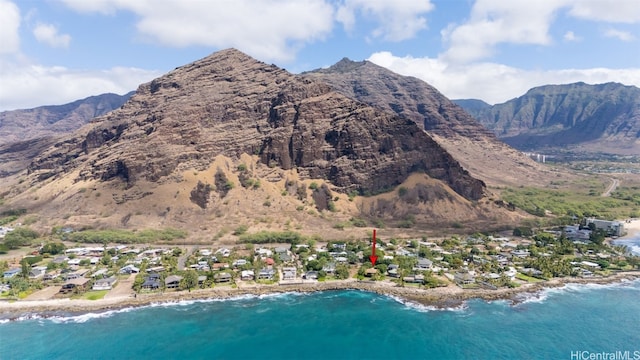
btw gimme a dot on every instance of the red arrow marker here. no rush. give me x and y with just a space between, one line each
373 256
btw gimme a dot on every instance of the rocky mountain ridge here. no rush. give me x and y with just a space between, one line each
579 116
229 104
229 140
55 120
476 148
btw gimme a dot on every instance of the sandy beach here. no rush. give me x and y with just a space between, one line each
443 297
633 229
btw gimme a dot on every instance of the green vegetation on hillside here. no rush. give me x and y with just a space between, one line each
585 201
125 236
264 237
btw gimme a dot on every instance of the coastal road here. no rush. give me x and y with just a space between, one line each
183 258
611 188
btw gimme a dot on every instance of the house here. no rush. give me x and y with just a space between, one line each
100 273
329 268
79 284
247 275
60 259
266 274
464 278
224 252
393 270
222 277
415 279
11 273
37 272
202 279
129 269
285 257
310 275
151 282
172 281
590 264
75 261
263 253
156 269
423 264
239 263
340 246
520 253
104 284
370 272
288 273
50 276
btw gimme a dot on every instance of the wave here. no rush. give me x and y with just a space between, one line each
568 288
428 308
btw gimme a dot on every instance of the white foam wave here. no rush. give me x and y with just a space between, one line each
528 298
428 308
543 295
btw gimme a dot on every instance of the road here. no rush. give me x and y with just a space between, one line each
611 188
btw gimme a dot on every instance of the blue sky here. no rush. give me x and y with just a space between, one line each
57 51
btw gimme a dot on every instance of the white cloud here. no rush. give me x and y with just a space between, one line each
620 11
269 30
571 36
494 83
9 25
48 34
498 21
618 34
27 86
397 20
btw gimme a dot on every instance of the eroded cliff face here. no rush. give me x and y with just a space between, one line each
404 95
602 118
476 148
230 104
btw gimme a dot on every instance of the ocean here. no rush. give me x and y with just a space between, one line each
560 323
632 243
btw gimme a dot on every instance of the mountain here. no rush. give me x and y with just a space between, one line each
26 133
44 121
449 125
473 106
582 117
227 140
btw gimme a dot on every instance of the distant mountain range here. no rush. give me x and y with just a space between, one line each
51 120
574 117
25 133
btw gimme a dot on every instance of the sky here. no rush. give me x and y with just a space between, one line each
57 51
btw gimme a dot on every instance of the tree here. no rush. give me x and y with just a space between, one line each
25 268
52 248
190 279
342 272
21 236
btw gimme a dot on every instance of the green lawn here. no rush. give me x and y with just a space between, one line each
93 295
527 278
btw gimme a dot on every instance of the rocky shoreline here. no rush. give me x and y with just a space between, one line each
445 297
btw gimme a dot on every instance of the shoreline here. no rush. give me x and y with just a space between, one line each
450 296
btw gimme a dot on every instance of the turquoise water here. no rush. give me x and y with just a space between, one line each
632 243
342 325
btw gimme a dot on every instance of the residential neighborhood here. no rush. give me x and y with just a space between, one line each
476 261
